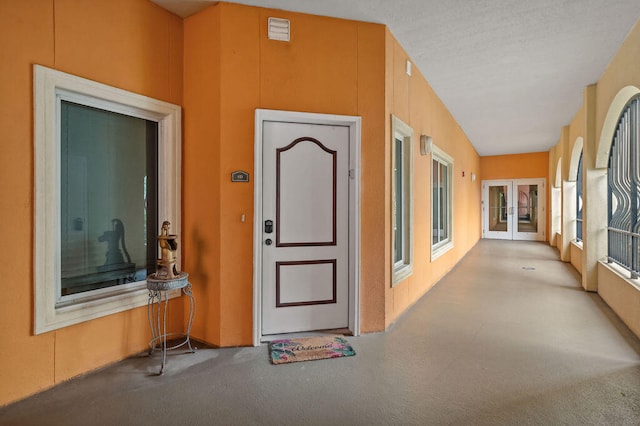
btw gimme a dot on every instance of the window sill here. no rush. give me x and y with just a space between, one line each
55 318
438 251
622 274
401 273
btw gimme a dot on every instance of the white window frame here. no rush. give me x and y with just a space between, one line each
50 88
403 268
444 246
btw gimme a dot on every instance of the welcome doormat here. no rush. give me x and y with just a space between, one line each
309 348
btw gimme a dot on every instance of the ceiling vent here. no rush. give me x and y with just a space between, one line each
279 29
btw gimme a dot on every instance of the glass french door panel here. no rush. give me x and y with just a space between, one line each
498 208
528 208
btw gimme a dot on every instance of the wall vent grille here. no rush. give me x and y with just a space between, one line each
279 29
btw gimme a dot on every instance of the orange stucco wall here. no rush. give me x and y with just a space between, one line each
412 99
220 66
130 44
515 166
330 66
231 68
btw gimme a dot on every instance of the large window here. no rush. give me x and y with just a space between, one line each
402 200
624 184
108 200
579 202
107 172
441 202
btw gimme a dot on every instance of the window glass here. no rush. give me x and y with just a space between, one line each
441 203
436 202
444 203
399 199
528 208
402 201
108 168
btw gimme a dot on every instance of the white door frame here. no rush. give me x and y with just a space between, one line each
354 124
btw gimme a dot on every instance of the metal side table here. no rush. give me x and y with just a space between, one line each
157 312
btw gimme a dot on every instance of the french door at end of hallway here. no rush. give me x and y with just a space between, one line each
513 209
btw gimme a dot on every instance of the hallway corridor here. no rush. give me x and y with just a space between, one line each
507 338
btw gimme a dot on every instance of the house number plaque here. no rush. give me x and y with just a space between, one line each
239 176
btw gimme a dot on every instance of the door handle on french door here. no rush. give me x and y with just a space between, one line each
510 210
268 226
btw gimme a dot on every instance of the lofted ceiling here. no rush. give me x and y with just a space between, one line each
512 72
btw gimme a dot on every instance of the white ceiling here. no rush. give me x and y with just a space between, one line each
511 72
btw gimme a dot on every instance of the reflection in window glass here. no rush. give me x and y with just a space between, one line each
498 196
528 208
399 201
444 202
440 202
435 202
108 183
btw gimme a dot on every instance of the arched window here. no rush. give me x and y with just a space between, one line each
624 183
579 201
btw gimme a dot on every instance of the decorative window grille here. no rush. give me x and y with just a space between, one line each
579 202
624 183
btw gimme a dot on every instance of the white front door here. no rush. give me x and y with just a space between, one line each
305 227
513 209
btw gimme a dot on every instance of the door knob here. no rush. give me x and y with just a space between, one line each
268 241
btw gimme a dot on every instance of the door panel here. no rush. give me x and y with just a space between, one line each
513 209
497 211
305 194
528 225
305 187
305 282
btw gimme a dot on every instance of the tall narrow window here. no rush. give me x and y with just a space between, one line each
402 200
623 176
441 203
579 202
398 176
107 172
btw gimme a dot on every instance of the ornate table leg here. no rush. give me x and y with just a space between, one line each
157 313
157 305
192 311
